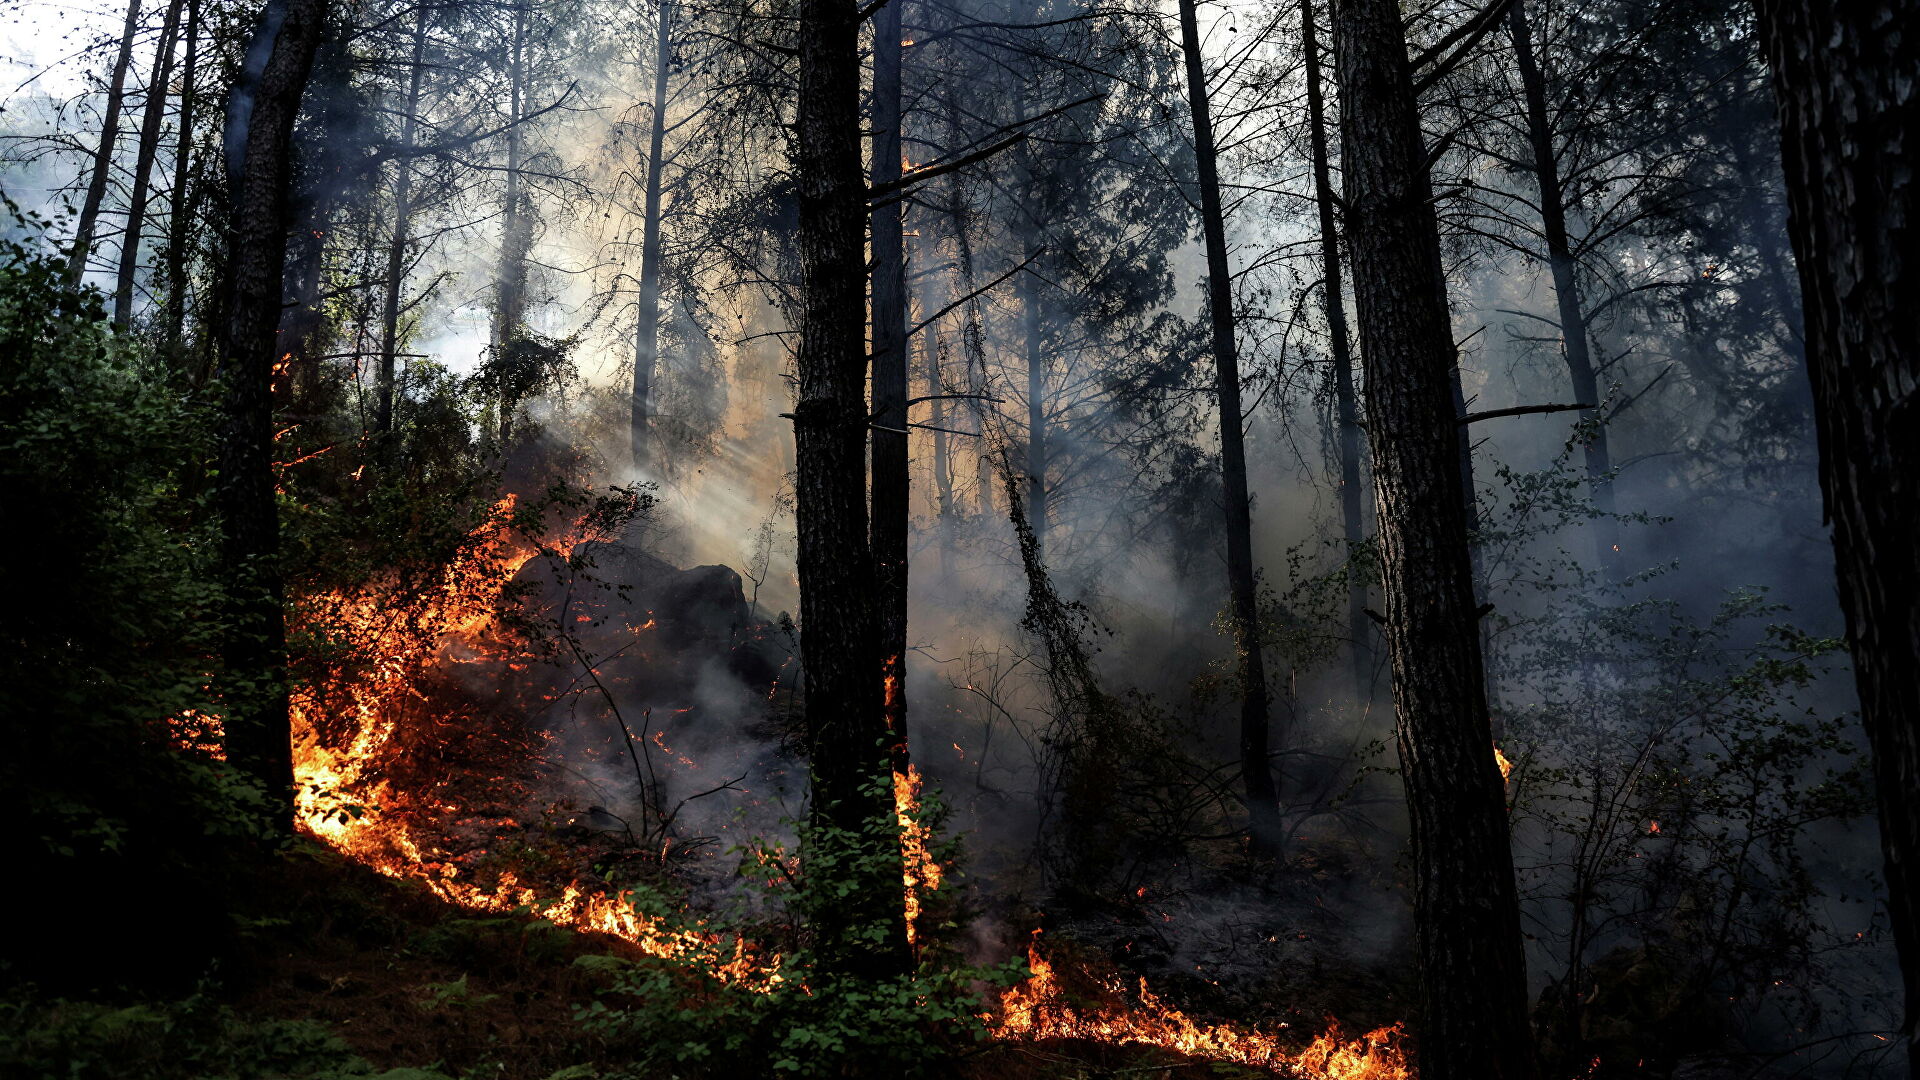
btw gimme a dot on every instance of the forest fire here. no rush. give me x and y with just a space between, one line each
345 799
348 800
922 872
1133 399
1040 1008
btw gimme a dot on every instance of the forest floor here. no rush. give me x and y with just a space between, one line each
408 981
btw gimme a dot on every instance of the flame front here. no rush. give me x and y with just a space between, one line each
1040 1008
345 800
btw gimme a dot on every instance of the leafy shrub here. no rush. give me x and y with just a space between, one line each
109 630
187 1040
797 1020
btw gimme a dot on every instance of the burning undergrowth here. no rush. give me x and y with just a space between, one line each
562 724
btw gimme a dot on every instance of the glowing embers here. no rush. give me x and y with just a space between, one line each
199 733
1043 1008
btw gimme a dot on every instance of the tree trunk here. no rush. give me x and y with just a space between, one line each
84 225
260 118
180 212
1844 76
155 115
1566 289
1473 1016
400 237
646 332
1256 772
891 489
1034 349
1346 402
934 300
859 933
516 231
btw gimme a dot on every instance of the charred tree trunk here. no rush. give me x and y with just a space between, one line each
1566 287
180 211
400 237
855 869
259 141
1256 772
516 231
1473 1018
84 225
891 489
1844 76
646 331
1346 400
154 116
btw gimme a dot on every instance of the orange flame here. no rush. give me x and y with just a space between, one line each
921 872
1039 1008
345 801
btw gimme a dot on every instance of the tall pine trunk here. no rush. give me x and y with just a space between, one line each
400 237
646 327
891 489
1844 75
153 117
1033 348
932 346
180 210
1566 287
89 218
1346 399
260 118
1256 772
1473 1013
854 875
516 230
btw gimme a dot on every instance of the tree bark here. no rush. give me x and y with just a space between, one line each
856 849
89 218
1035 353
935 299
154 116
1256 772
180 212
646 332
1844 77
259 140
1575 343
400 237
1473 1015
516 231
891 489
1346 400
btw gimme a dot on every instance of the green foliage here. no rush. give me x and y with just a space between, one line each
109 625
670 1015
798 1020
1672 773
485 942
193 1039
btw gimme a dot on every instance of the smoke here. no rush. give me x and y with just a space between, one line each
674 698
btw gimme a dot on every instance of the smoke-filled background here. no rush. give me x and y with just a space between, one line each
558 238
